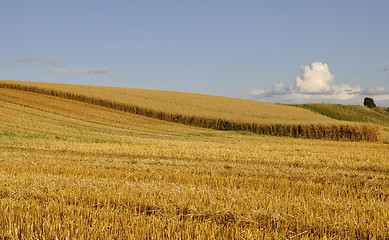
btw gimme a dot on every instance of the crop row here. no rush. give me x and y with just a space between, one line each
341 131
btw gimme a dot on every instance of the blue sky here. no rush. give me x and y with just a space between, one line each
275 51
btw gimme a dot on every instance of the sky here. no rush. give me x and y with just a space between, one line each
300 51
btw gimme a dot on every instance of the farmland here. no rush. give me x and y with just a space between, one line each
69 169
209 111
188 104
354 113
379 115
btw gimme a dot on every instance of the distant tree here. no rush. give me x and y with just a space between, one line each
369 102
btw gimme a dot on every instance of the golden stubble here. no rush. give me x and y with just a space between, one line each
78 171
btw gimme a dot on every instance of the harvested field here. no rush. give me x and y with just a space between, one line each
79 171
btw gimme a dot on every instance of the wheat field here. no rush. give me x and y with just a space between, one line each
72 170
218 113
197 105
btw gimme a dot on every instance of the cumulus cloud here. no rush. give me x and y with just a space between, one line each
317 84
316 78
50 61
104 71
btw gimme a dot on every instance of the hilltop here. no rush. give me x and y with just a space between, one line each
354 113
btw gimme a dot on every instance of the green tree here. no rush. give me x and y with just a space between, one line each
369 102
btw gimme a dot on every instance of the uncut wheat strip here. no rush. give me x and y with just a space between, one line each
367 133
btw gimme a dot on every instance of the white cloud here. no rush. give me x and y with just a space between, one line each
105 71
317 84
344 92
316 78
277 89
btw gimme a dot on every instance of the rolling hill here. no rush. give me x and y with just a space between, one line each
74 170
354 113
219 113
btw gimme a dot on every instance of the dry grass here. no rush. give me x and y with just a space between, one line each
210 112
79 171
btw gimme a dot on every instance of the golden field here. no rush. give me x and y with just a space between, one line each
197 105
80 171
218 113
